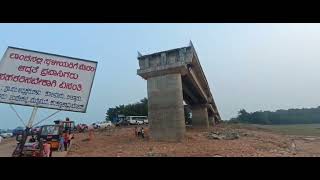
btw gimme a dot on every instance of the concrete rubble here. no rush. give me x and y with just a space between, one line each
223 135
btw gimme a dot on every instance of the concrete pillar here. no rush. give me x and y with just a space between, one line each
200 116
211 121
216 119
165 107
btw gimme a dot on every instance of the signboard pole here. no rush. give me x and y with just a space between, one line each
33 115
17 114
46 118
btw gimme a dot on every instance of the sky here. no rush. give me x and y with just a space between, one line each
250 66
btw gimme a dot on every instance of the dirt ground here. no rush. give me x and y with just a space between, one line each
7 146
252 142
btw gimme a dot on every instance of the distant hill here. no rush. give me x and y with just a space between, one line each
290 116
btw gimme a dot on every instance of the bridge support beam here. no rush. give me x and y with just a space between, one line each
165 107
173 76
211 121
200 116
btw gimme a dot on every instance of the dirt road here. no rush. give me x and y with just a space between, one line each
252 142
7 146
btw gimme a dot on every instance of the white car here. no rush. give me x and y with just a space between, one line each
6 135
103 124
139 122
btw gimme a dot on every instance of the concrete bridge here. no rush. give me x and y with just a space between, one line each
174 77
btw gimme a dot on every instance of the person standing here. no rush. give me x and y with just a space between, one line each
136 131
61 143
69 139
46 149
91 129
142 132
68 125
139 131
66 139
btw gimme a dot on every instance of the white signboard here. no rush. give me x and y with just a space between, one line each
45 80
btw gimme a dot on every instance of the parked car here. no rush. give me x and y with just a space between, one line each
82 127
2 135
18 131
103 124
6 135
94 125
136 120
122 122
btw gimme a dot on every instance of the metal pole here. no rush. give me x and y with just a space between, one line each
33 115
46 118
17 115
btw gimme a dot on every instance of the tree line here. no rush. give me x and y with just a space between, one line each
290 116
137 109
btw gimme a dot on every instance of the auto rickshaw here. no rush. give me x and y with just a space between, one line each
28 148
52 134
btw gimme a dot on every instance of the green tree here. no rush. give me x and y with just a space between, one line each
281 116
137 109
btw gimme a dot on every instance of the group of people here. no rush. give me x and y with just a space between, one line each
139 132
64 143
